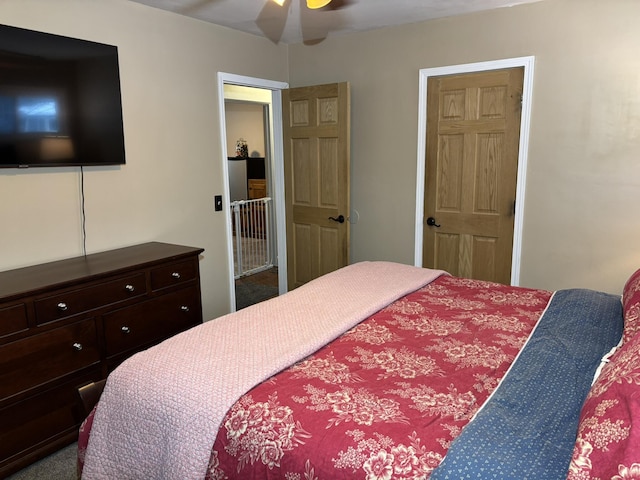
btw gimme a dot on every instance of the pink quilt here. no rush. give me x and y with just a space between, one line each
160 411
386 399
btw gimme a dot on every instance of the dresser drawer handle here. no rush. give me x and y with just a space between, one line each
129 288
125 330
63 307
175 275
184 308
77 346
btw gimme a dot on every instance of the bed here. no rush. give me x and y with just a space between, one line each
381 371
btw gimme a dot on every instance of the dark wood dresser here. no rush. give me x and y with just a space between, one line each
68 323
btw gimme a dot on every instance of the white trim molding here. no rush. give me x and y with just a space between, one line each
523 148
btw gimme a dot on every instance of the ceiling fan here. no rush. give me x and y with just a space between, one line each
313 4
315 22
314 25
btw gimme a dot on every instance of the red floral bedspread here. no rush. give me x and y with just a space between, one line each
387 398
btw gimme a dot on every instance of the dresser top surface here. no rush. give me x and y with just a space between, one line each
60 273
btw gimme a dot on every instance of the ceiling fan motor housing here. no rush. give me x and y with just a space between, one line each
317 3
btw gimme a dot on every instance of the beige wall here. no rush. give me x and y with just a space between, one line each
246 121
581 223
168 69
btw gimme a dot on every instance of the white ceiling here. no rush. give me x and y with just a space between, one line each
294 23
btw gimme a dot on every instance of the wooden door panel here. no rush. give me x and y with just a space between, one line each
319 243
449 181
329 250
302 246
302 171
487 181
329 173
484 254
492 102
453 105
328 113
446 252
300 112
465 259
472 152
317 170
466 255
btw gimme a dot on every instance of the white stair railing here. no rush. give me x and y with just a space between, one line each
251 223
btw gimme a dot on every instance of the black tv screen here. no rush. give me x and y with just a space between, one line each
60 102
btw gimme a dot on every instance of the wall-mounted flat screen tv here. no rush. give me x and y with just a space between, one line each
60 102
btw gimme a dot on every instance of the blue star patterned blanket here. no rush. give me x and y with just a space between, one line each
527 428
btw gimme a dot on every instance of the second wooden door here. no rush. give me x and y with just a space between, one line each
473 130
317 169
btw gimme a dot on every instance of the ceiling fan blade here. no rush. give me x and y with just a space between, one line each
272 19
313 29
194 6
338 4
317 23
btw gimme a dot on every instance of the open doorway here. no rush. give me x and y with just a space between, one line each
254 237
251 127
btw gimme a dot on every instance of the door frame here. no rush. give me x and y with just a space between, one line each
523 147
277 154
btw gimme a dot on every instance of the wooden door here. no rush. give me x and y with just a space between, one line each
317 167
473 130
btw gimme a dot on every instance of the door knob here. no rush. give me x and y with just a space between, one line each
432 222
340 219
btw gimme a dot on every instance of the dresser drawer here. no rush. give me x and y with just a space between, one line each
68 303
47 417
32 361
173 274
13 319
133 327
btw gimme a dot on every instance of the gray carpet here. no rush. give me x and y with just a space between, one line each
60 465
251 293
256 288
